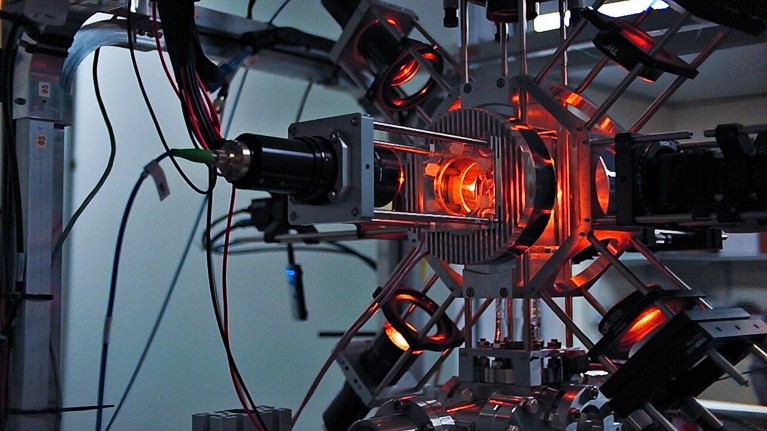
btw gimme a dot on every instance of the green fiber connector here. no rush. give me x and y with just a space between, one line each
193 154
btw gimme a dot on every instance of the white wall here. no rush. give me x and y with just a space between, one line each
186 371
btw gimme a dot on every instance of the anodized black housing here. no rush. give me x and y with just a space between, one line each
305 168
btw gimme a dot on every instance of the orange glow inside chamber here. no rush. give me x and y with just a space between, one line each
644 324
406 72
463 186
647 321
398 339
638 38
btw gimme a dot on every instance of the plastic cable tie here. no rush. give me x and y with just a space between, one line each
158 175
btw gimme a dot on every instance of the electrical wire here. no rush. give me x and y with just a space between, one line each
225 262
278 12
251 5
755 370
156 30
11 218
107 170
330 246
150 108
161 314
304 98
113 291
225 295
236 102
383 296
215 303
302 248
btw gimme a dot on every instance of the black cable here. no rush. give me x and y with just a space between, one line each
755 370
278 12
113 291
215 303
291 254
160 315
189 85
107 170
348 250
304 98
236 225
155 121
235 103
11 218
318 249
333 247
11 164
251 5
56 383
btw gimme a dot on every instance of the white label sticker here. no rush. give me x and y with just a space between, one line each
44 89
41 140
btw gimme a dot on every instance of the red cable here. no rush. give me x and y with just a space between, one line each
211 112
224 268
155 28
193 120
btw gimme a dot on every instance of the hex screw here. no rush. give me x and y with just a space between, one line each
530 405
399 406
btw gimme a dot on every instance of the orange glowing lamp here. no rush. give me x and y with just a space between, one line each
630 47
463 186
398 339
644 324
636 318
406 73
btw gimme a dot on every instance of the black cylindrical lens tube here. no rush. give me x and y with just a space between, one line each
389 176
305 168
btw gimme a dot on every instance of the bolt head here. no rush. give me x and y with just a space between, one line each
531 406
398 406
593 392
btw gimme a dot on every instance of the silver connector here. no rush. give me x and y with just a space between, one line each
232 160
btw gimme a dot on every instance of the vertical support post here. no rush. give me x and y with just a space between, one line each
503 33
468 325
35 354
522 30
465 41
562 40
